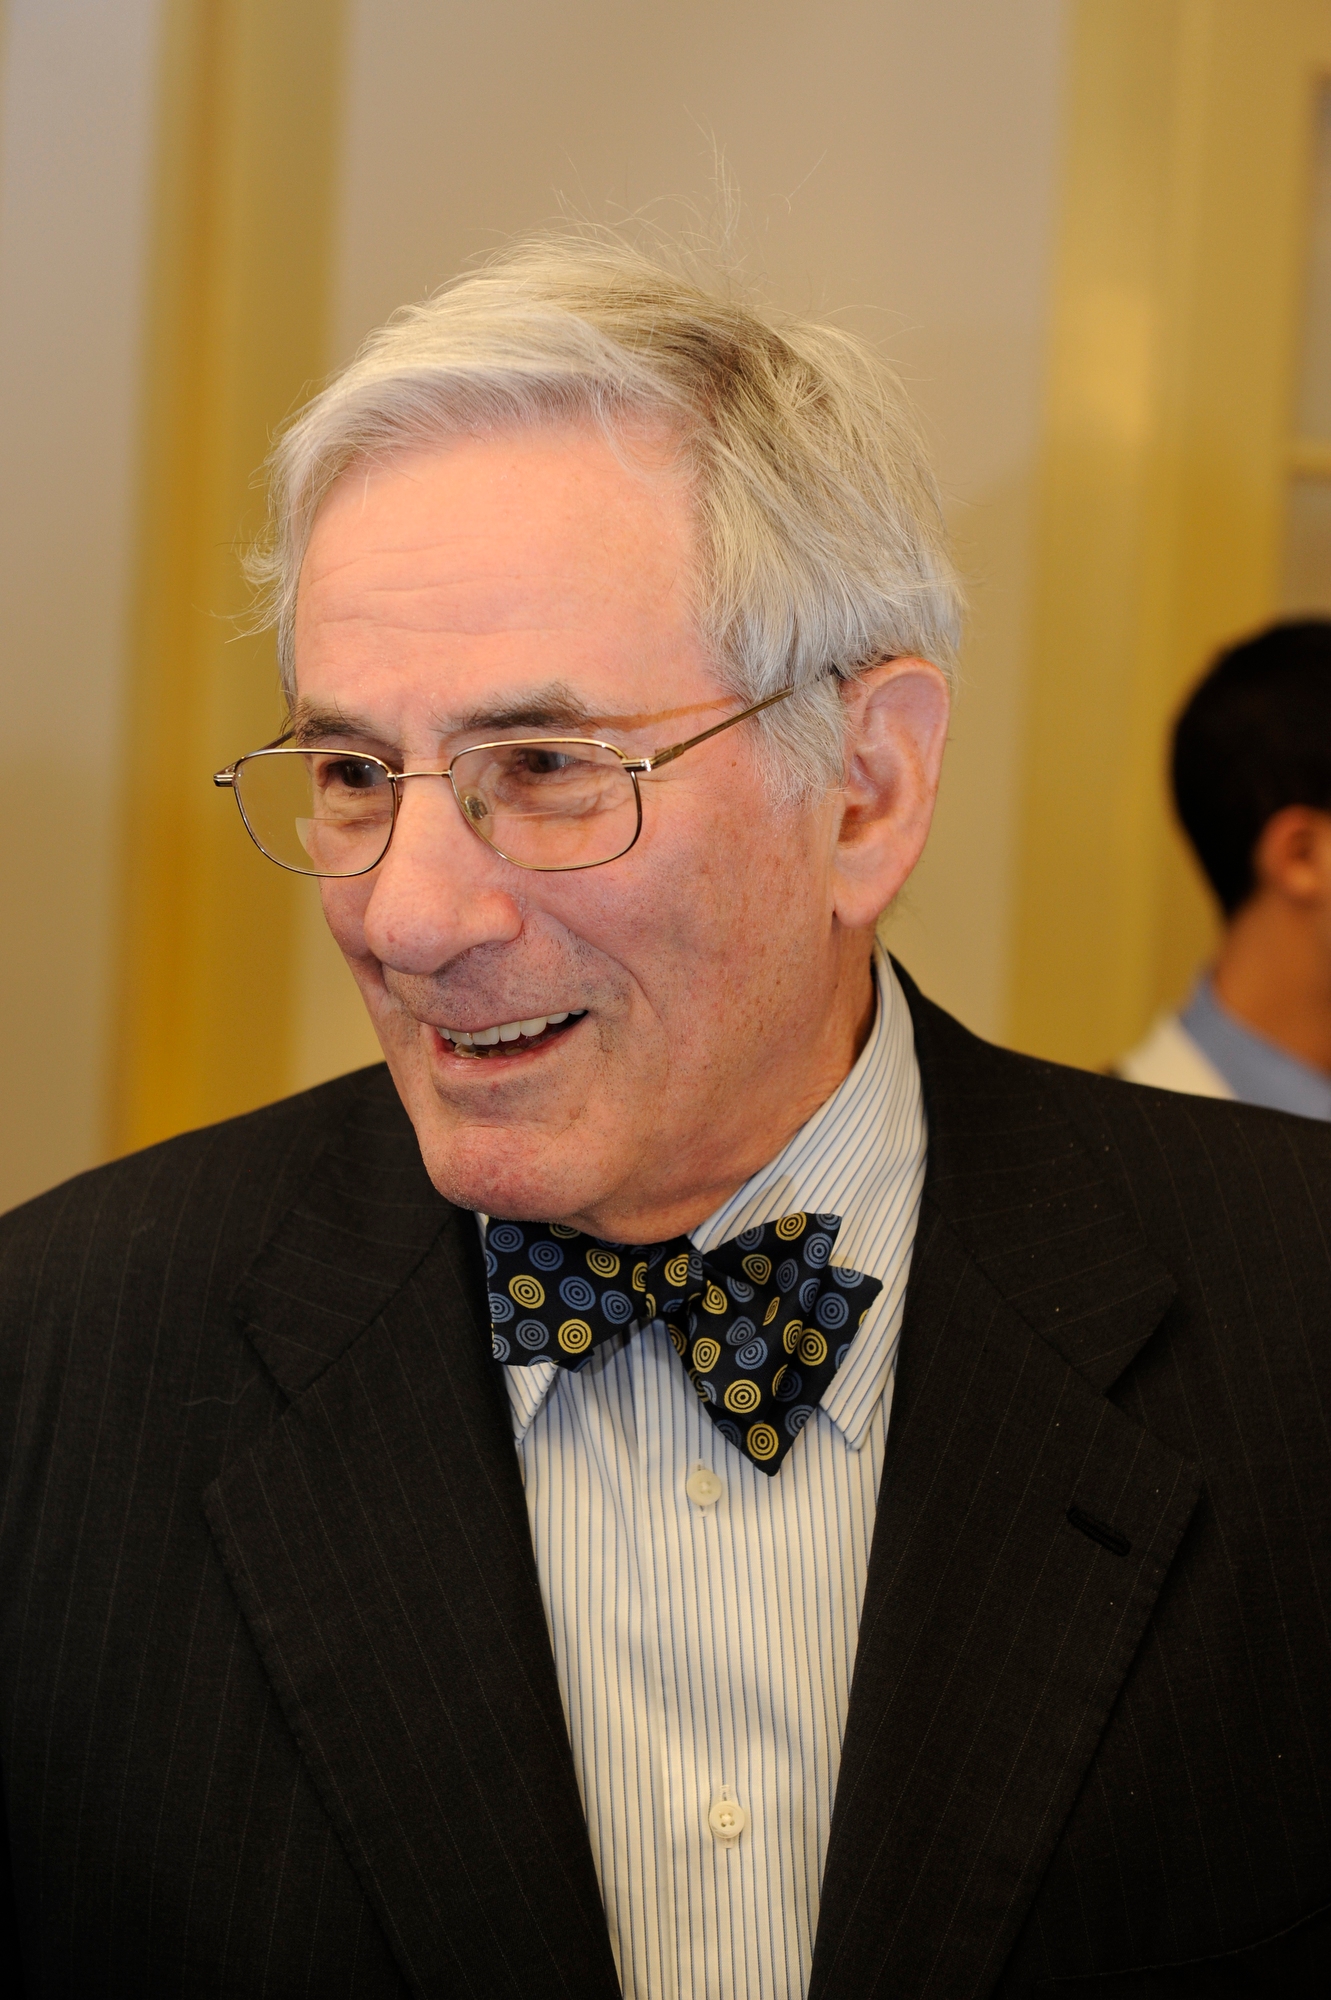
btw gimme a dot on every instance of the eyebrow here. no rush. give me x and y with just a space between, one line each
554 706
307 723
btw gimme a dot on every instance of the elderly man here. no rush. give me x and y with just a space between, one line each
700 1478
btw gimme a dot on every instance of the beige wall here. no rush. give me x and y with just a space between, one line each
897 161
76 121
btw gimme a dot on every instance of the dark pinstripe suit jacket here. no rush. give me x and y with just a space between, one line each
278 1708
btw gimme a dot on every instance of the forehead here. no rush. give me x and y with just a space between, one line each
541 549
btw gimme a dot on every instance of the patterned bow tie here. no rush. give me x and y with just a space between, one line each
762 1324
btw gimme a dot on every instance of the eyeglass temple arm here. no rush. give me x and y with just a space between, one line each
659 757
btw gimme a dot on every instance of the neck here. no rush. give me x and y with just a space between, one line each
1274 975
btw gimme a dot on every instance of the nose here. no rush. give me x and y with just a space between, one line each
439 891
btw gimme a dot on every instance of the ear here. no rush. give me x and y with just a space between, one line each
1293 855
896 727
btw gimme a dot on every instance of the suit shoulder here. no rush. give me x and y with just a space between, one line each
1135 1115
1065 1184
1150 1123
1209 1184
256 1162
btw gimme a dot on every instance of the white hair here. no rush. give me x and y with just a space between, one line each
821 537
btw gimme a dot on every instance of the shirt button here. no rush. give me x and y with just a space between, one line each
727 1818
703 1486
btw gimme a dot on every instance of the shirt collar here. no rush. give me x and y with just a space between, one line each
860 1156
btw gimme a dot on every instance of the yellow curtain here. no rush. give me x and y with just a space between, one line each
1175 336
245 184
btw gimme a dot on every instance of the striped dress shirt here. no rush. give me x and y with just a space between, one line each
704 1652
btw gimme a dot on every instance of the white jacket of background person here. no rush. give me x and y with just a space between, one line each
1168 1057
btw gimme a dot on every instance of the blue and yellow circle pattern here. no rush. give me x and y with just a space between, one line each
761 1324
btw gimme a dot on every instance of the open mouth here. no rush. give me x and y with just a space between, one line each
509 1038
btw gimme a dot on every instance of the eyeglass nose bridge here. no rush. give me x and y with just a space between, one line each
398 780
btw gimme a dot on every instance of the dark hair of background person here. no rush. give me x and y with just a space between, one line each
1253 737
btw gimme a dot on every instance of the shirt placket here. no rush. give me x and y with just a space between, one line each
704 1881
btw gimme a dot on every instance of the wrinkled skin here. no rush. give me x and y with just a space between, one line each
537 582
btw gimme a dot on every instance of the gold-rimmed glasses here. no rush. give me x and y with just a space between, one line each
544 802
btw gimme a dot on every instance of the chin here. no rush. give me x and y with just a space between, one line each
510 1174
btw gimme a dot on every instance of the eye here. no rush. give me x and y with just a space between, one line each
358 774
538 763
348 774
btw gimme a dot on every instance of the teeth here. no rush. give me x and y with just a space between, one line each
509 1031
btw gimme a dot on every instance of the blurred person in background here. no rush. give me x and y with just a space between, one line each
1252 787
698 1476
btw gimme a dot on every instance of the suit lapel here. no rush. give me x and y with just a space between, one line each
378 1542
996 1630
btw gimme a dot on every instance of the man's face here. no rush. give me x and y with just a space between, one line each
536 584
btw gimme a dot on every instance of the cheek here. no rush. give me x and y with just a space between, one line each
706 906
344 906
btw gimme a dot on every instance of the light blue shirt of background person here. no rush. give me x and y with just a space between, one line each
1256 1070
1206 1051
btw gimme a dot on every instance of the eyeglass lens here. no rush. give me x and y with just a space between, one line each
547 805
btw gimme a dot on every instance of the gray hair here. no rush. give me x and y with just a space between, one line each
821 537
